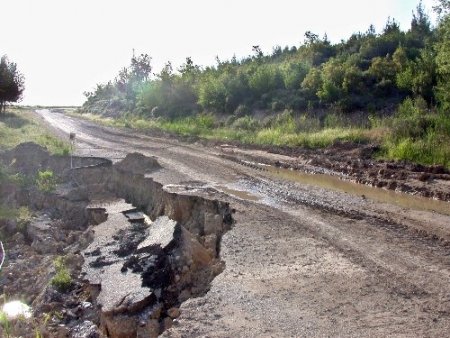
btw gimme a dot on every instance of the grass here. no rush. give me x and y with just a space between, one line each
19 125
206 126
413 134
318 139
423 151
21 215
418 135
5 324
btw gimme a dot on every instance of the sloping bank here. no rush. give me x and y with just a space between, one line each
145 248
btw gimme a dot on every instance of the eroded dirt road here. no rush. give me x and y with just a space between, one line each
301 260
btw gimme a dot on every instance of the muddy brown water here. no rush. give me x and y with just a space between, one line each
376 194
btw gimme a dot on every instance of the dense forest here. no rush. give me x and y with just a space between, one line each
398 80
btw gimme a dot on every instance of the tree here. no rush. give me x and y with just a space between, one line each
189 70
11 83
293 74
443 8
419 76
383 72
443 64
141 67
312 83
420 23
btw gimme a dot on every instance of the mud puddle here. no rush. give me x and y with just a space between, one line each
376 194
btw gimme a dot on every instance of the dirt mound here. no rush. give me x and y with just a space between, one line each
137 163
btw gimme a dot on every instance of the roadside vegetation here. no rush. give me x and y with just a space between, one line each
18 125
389 87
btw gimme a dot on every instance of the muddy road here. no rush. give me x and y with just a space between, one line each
304 258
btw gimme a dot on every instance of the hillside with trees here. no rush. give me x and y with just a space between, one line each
394 81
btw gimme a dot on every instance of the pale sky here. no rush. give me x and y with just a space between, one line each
65 47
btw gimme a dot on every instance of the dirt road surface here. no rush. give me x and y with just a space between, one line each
301 260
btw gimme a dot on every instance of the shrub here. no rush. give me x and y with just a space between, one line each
23 219
205 121
277 106
284 123
62 279
241 110
46 181
334 121
246 123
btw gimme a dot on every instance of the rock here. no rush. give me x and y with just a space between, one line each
392 185
18 239
162 234
210 243
39 232
149 330
213 224
167 323
424 177
10 226
184 295
194 253
119 326
173 312
73 261
122 292
96 215
76 195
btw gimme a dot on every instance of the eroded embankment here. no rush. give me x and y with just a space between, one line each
140 271
135 249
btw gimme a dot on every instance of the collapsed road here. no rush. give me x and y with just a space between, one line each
302 259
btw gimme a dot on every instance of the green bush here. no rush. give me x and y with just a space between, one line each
242 110
62 279
429 150
246 123
419 135
278 106
205 121
46 181
23 219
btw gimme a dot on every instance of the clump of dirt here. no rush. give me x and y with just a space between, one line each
137 163
127 274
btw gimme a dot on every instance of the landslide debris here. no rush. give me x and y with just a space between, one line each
135 250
